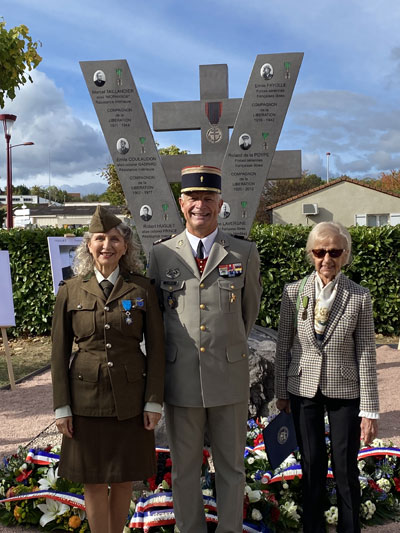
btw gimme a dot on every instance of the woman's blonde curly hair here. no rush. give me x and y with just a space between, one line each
83 263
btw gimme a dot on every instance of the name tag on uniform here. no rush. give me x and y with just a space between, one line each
230 270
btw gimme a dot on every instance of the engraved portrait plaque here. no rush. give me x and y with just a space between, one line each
254 138
133 150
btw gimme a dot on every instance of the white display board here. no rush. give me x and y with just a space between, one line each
62 251
7 317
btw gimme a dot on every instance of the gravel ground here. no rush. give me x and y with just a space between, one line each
26 415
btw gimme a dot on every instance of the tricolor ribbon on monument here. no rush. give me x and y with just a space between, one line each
73 500
41 457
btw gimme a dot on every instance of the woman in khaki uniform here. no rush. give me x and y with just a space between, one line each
108 396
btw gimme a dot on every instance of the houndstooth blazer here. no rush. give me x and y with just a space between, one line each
344 365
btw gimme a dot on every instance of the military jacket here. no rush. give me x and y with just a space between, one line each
108 375
207 318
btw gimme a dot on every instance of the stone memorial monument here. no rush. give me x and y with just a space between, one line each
246 158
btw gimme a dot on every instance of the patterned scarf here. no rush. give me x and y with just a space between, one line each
324 297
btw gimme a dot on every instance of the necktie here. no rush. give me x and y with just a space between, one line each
107 287
200 250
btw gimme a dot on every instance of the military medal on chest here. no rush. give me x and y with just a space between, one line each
127 305
304 302
172 301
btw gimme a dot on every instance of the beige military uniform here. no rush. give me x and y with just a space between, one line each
207 319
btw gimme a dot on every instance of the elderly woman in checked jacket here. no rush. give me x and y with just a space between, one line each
326 362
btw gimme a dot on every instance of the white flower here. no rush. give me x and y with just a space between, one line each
250 460
256 515
207 492
260 454
384 484
254 496
49 482
361 465
23 467
51 509
332 515
377 443
368 509
285 485
290 509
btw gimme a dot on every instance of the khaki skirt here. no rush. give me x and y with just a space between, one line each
108 450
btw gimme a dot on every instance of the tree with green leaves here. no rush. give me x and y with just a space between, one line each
18 54
20 190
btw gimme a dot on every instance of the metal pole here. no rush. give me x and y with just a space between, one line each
327 166
10 221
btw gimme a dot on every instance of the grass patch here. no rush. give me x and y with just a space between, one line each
27 355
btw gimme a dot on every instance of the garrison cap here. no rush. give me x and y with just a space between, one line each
102 220
201 178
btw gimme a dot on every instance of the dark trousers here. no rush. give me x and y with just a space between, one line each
308 415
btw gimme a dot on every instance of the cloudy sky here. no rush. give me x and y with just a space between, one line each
346 100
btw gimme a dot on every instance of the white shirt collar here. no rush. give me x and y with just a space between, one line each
112 277
208 241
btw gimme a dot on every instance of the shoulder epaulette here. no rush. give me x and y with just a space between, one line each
242 237
164 239
62 282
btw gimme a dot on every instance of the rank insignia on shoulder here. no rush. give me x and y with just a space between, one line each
240 237
164 239
62 282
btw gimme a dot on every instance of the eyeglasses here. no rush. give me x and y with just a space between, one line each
320 253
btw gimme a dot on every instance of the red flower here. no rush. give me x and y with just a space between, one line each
275 514
152 482
258 440
206 455
23 475
397 483
374 486
168 462
168 479
246 504
270 497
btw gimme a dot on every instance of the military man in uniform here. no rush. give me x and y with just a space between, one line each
210 291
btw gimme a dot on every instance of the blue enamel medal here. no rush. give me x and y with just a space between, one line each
127 305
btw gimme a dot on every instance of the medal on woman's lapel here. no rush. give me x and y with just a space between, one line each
304 302
127 305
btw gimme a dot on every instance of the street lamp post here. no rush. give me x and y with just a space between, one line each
327 166
8 121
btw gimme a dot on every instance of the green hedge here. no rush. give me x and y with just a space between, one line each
376 265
